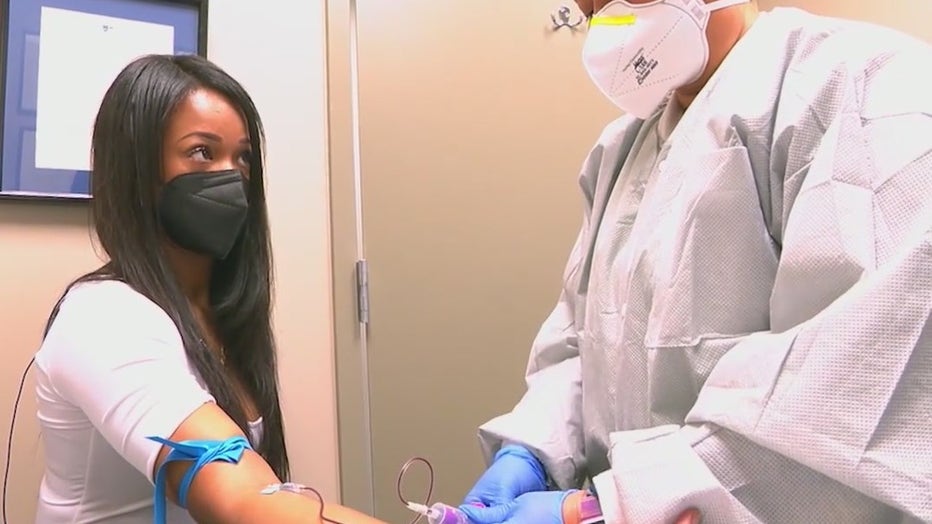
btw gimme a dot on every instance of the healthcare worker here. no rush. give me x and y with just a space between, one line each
744 323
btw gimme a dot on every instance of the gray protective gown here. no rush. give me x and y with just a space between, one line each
744 325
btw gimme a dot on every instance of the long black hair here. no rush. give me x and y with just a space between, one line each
126 176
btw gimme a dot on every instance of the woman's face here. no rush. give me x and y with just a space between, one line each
205 133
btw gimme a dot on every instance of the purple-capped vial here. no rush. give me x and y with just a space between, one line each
443 514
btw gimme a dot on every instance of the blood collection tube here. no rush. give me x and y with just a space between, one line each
440 513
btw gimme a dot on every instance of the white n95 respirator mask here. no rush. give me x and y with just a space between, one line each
637 53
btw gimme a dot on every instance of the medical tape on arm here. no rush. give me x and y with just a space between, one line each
200 453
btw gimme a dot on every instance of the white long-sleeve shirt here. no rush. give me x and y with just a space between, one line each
111 372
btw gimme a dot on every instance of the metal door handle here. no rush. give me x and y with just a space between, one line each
561 18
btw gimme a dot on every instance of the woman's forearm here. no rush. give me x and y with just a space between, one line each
348 516
289 508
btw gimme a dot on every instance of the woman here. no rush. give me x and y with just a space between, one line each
171 337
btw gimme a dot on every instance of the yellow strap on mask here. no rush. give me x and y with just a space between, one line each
613 20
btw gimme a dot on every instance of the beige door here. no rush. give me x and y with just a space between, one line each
474 118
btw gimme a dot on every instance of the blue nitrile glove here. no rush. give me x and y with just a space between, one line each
514 471
541 507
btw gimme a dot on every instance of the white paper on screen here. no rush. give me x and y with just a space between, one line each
80 55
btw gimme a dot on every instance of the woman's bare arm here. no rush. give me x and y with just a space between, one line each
225 493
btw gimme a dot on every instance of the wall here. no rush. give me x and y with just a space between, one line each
42 248
277 48
280 60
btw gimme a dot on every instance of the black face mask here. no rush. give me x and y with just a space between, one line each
205 212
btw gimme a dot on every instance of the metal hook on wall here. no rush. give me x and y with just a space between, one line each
561 18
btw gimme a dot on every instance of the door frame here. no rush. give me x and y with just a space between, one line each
350 348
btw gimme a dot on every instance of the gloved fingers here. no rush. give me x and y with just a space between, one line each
487 499
473 499
531 477
487 515
498 499
514 471
480 492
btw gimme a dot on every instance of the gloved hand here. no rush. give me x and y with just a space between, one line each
540 507
513 472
